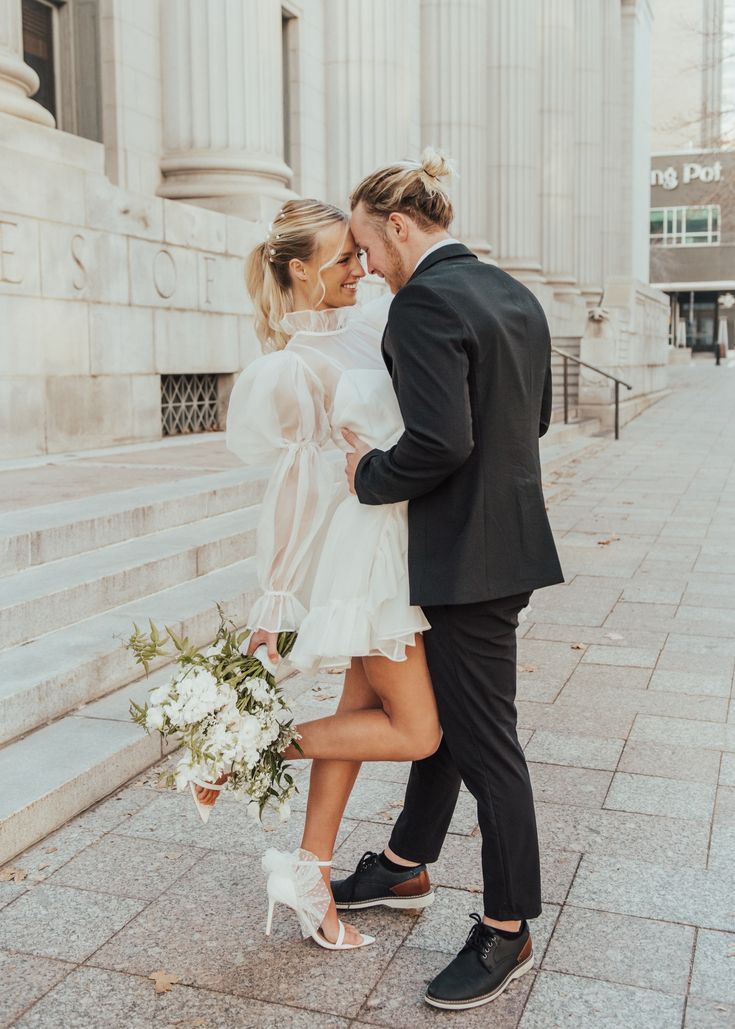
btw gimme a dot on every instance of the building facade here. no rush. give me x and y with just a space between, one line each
145 145
693 244
692 221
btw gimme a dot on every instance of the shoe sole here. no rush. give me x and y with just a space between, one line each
476 1002
424 900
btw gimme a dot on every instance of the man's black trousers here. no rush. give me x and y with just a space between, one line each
471 653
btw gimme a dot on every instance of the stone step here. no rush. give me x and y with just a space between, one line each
39 600
44 679
54 531
58 771
561 432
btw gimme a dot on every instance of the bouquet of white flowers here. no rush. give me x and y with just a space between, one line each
228 712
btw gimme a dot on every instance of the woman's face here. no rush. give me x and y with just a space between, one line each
340 279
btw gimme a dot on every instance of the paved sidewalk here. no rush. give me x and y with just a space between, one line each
625 685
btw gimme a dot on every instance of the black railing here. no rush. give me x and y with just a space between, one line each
583 364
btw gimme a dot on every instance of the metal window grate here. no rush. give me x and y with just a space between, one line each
189 403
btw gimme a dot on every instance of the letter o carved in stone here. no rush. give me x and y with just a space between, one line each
164 274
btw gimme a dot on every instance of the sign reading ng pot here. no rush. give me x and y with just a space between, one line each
692 171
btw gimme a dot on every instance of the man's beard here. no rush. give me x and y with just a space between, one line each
395 275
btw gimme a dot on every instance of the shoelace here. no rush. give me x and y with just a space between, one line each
368 860
482 942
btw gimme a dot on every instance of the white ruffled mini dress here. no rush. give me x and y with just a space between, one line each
330 567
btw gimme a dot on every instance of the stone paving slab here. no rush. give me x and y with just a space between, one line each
626 714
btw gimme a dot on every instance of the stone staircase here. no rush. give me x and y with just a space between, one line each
74 576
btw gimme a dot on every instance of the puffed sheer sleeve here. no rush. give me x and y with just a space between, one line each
277 417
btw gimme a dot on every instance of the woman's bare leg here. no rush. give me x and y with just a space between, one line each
330 786
404 728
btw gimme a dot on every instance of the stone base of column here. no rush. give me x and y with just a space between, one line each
237 187
631 343
17 81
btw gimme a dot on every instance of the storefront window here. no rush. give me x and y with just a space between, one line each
685 226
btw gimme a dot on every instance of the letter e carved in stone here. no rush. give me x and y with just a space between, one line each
164 274
8 232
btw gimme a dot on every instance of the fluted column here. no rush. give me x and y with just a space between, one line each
18 82
557 127
223 104
372 84
454 105
636 147
514 132
612 134
588 148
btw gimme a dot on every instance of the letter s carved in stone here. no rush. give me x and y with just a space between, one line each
79 280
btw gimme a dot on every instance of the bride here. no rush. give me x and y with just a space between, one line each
329 567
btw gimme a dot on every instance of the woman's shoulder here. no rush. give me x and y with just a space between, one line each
339 323
276 372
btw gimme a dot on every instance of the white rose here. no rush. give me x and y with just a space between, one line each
160 694
154 718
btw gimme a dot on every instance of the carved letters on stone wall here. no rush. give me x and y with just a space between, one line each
72 267
8 255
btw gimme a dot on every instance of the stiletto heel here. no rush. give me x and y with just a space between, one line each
269 921
295 880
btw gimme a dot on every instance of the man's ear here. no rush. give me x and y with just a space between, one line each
397 227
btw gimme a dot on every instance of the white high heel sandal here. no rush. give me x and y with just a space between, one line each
294 879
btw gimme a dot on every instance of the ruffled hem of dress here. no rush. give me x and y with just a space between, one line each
332 634
277 612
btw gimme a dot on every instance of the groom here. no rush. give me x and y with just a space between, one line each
468 350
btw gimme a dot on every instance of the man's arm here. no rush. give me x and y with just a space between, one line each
430 369
546 401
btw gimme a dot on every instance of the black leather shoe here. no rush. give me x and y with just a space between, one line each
371 885
486 965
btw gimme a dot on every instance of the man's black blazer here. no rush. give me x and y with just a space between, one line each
468 349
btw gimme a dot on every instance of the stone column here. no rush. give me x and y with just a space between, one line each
612 137
372 86
557 145
588 192
454 105
221 65
18 82
636 147
514 164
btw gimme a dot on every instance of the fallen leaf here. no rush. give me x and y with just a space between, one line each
50 850
320 694
41 868
175 855
606 543
164 981
10 874
474 889
526 668
579 646
475 831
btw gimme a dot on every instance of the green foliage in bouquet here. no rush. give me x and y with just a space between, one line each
221 668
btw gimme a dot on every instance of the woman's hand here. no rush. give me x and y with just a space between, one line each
209 797
259 637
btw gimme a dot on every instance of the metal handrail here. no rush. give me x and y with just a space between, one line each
618 383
